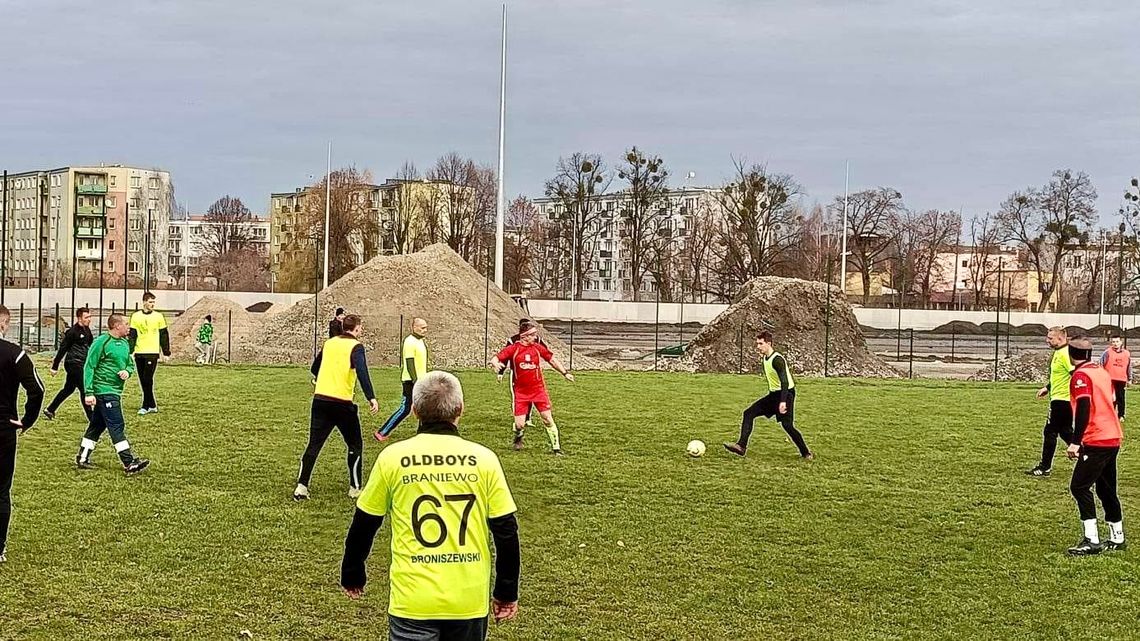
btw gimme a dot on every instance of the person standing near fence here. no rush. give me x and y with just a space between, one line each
105 373
16 371
780 401
337 368
205 342
1059 423
413 358
73 352
1117 361
149 342
336 325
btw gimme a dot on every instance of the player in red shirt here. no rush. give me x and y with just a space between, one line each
1117 361
525 359
1096 444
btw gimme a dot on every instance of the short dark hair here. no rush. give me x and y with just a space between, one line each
1114 335
209 318
351 322
764 335
148 296
523 322
114 320
339 311
81 311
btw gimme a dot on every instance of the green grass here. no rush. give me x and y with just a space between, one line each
915 522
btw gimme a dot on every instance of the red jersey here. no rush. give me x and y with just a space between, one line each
1117 364
526 364
1091 381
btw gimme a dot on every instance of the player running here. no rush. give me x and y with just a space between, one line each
525 358
150 342
73 352
1095 446
1059 424
523 324
1117 361
413 361
446 498
780 401
106 370
338 366
16 371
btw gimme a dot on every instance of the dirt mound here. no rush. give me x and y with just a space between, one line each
1020 367
231 323
795 311
261 307
388 292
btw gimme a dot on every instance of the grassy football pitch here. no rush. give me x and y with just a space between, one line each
914 522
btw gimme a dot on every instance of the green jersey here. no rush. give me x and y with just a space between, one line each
206 333
105 359
1060 372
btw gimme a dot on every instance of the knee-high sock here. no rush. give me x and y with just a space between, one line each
552 434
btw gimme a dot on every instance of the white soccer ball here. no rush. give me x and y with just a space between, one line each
695 449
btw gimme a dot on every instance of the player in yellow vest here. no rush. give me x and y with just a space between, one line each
413 365
780 401
149 342
337 368
1059 424
445 498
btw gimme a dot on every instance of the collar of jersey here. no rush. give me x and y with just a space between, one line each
438 427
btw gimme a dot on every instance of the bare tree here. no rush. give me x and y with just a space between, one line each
226 232
757 227
934 231
353 221
645 210
578 185
698 252
1047 222
524 232
873 220
985 241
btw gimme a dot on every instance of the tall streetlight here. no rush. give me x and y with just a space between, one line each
843 251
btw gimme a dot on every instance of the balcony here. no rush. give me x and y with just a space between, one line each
89 232
90 210
91 189
88 254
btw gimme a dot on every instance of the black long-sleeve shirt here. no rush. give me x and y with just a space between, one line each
336 328
73 348
16 371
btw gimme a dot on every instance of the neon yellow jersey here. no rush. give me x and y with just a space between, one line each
337 378
773 377
438 490
148 327
416 349
1060 373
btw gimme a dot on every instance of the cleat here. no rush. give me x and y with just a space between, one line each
49 415
1115 546
1037 471
734 448
4 555
153 410
143 412
136 466
83 464
556 452
301 493
380 437
354 492
809 457
529 423
518 441
1085 548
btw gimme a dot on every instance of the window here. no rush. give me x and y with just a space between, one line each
965 263
133 245
113 181
152 183
133 266
136 182
110 245
110 223
193 261
111 263
136 224
136 203
152 203
111 202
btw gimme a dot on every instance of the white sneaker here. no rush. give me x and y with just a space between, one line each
4 555
144 412
354 492
300 493
153 410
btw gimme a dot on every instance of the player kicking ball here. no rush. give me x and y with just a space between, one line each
525 357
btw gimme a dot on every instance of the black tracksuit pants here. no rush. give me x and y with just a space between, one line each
1096 466
73 383
326 416
147 364
770 406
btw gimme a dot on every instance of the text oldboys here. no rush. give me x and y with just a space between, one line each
439 460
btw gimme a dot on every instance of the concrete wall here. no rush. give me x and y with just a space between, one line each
168 299
919 319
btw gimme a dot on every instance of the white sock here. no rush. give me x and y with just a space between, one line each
1091 532
1116 531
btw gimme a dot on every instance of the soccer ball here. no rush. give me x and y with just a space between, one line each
695 449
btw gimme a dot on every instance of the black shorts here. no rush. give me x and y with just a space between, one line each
1060 417
769 406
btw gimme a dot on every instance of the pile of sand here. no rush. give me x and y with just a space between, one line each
388 292
232 326
1028 366
795 311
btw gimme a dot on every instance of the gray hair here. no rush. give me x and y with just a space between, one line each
437 396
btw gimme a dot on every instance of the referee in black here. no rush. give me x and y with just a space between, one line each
73 352
16 371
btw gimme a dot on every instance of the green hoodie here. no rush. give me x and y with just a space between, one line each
105 359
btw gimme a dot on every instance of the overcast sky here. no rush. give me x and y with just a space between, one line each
953 103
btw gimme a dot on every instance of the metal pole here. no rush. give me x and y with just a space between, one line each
328 201
898 332
1103 273
843 252
39 261
230 336
21 325
681 314
656 321
1120 282
487 320
911 374
500 206
400 341
997 320
740 349
573 280
55 329
102 258
126 253
146 264
316 315
827 321
4 242
953 337
74 258
1008 313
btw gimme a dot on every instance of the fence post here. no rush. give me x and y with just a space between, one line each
898 333
953 336
656 326
487 317
230 337
571 340
827 321
740 349
911 375
55 329
21 325
400 343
